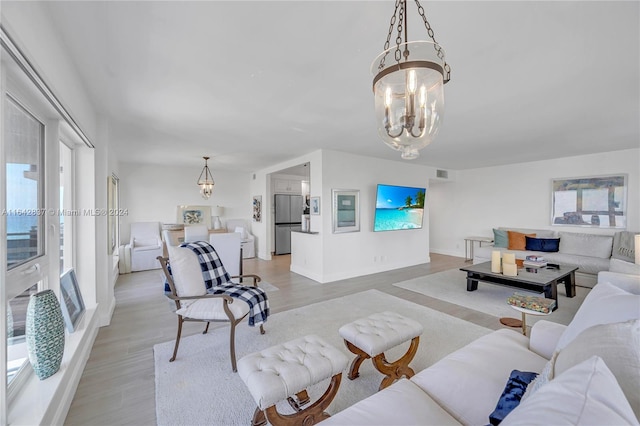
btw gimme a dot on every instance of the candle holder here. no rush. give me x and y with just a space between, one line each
496 266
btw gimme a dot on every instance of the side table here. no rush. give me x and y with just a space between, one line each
468 245
513 322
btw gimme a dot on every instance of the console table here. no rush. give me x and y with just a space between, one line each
468 245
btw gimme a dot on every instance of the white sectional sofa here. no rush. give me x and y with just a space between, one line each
591 369
591 253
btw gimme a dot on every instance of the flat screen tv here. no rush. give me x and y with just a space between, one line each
398 207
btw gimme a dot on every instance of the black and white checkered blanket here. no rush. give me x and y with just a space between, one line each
218 281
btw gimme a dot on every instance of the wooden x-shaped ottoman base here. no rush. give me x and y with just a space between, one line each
392 370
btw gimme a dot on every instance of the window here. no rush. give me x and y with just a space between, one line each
39 221
24 142
25 217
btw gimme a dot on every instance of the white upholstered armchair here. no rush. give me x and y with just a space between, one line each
145 245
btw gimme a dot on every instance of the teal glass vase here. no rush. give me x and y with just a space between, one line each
45 333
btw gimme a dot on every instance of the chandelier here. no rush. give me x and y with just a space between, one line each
205 181
408 87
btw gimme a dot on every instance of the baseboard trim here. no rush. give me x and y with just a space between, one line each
105 317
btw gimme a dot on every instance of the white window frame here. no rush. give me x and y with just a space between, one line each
38 269
70 220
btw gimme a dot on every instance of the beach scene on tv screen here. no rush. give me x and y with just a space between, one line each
398 207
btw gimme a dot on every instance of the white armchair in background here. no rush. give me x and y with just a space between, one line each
241 227
145 245
196 233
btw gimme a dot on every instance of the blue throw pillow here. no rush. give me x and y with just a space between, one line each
500 238
512 394
542 244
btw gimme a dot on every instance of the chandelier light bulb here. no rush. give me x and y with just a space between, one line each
411 81
387 97
423 96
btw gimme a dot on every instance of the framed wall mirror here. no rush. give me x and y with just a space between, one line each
113 217
346 210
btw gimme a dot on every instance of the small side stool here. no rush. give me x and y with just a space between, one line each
532 305
285 372
513 322
369 337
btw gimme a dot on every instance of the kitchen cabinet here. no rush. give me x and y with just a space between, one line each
287 186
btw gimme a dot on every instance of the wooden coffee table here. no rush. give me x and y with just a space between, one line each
544 279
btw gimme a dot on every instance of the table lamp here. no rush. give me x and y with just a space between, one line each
216 212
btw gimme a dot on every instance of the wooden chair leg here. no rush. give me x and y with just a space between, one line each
357 362
310 415
232 346
175 349
261 329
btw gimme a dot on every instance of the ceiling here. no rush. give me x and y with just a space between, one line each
253 84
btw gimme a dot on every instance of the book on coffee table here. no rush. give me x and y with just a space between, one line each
535 258
534 263
532 303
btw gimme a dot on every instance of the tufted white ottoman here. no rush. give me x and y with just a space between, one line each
369 337
287 370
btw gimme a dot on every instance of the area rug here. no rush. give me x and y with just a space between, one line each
451 286
199 387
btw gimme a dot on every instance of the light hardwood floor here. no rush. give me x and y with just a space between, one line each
117 386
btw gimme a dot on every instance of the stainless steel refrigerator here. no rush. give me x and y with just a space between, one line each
288 217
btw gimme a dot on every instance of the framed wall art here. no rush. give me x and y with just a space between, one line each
71 301
598 201
314 206
194 215
346 210
257 208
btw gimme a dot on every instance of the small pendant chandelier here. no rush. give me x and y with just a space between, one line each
206 181
408 91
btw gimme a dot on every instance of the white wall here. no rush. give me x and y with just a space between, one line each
519 195
153 193
365 252
329 257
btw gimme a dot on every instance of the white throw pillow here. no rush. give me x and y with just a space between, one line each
604 304
586 394
542 379
243 232
186 272
618 345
